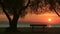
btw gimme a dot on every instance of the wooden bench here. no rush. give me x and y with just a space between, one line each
38 26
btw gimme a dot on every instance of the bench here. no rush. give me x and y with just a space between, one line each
38 26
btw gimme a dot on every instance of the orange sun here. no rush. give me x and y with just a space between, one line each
49 19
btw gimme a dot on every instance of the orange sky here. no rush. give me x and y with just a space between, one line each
42 18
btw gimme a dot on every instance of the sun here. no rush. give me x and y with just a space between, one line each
49 19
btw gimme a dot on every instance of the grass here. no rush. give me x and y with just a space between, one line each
55 30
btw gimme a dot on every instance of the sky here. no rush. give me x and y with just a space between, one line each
47 18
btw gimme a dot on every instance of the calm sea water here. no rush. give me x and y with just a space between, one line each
18 25
4 24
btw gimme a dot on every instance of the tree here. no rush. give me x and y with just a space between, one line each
16 8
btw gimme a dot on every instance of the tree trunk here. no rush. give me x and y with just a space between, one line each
13 23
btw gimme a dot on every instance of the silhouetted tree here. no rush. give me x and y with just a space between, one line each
16 8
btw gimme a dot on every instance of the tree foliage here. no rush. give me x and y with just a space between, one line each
36 4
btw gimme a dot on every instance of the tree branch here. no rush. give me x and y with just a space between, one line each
27 4
5 11
23 8
56 12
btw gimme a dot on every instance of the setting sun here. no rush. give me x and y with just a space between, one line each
49 19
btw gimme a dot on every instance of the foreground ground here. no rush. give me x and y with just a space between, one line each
55 30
